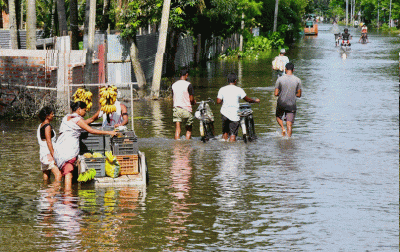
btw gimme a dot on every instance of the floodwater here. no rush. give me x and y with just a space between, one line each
333 186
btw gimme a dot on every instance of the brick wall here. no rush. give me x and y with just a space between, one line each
25 70
76 73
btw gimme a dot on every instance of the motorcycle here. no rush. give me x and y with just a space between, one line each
247 122
206 118
345 45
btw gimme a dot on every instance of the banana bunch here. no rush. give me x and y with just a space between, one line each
83 95
87 175
108 96
97 155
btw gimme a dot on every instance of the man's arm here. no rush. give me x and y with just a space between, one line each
192 100
94 117
124 113
298 94
276 93
248 99
191 94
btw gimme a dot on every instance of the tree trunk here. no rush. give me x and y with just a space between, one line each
155 87
106 15
73 6
62 18
137 67
13 25
87 14
90 48
172 49
31 25
276 16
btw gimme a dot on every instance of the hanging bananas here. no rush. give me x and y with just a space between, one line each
108 96
83 95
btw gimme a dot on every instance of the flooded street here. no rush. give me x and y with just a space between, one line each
333 186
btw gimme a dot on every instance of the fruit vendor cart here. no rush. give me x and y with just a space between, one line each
123 147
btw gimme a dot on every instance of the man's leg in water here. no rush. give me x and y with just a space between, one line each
289 128
177 130
280 122
188 131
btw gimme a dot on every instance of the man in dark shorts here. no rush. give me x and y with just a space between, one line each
229 97
287 88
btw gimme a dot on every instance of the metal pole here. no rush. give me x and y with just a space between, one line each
133 128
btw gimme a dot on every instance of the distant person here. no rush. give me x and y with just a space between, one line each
117 118
279 63
46 139
287 88
229 96
346 36
183 98
67 146
364 32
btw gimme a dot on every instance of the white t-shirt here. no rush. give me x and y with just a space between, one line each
230 96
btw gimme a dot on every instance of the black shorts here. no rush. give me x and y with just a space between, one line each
290 115
229 126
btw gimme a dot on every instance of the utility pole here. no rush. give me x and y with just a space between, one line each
90 49
378 16
390 14
241 35
155 88
347 12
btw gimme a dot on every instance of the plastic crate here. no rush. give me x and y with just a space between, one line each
125 143
129 164
99 164
96 143
124 136
125 148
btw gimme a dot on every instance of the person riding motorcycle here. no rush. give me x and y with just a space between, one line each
364 31
346 37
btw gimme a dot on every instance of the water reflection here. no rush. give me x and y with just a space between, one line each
59 218
180 175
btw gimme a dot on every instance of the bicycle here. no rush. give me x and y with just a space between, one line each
247 122
206 118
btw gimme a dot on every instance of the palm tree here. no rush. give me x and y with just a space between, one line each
31 25
13 24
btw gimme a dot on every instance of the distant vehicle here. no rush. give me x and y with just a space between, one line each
346 45
311 26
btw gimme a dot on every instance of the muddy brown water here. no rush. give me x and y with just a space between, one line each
332 187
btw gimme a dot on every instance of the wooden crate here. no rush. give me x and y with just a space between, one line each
129 164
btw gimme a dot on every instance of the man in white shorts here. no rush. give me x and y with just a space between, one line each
229 96
183 95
